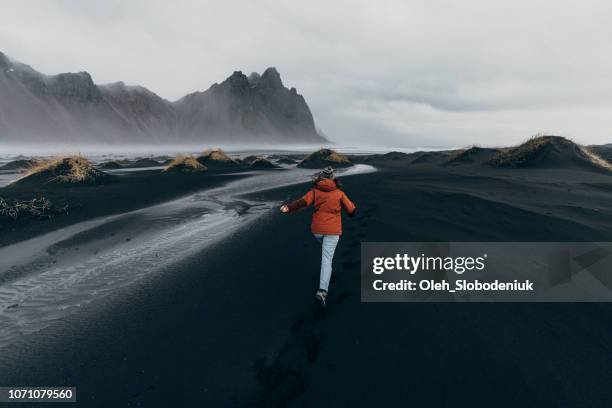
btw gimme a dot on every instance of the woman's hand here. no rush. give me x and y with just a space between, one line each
284 208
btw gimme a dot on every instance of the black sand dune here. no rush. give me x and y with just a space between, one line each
18 164
250 159
430 158
604 151
473 155
380 158
217 159
234 325
110 165
325 157
262 164
545 152
144 162
258 163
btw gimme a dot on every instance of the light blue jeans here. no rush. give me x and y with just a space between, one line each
328 245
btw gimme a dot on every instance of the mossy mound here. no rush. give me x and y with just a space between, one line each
18 164
325 157
217 159
185 164
473 155
430 158
262 164
110 165
548 152
250 159
144 162
64 170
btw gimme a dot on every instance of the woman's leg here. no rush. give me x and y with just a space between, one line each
327 256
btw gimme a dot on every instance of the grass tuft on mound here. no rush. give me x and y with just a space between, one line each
522 154
217 155
471 155
325 157
185 164
217 159
596 159
73 169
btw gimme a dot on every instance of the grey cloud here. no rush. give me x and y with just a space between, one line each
395 72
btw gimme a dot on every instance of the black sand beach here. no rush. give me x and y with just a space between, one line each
234 325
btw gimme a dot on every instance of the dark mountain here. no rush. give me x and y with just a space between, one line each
256 108
70 107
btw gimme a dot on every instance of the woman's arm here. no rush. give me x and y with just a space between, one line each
305 201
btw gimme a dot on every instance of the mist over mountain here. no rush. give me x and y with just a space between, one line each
71 108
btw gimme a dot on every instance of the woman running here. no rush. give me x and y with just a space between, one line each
328 200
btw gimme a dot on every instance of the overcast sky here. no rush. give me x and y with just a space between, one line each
395 73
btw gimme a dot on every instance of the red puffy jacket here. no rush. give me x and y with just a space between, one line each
328 201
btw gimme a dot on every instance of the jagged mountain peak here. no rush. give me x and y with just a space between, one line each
254 78
82 77
122 87
272 77
35 107
77 86
237 82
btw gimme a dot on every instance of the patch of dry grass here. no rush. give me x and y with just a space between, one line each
215 155
338 158
37 207
329 155
518 155
72 169
185 164
596 159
